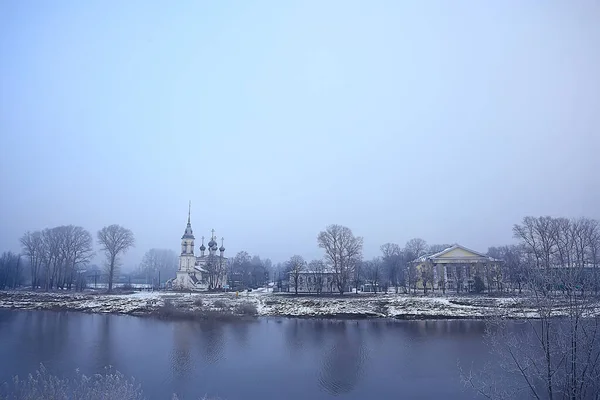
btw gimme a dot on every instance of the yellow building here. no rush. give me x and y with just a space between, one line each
455 269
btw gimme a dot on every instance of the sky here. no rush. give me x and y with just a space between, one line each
448 121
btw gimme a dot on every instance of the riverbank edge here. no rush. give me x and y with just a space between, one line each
227 307
194 315
190 316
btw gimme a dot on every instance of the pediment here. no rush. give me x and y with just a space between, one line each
457 252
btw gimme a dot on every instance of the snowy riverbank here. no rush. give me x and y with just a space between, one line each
268 304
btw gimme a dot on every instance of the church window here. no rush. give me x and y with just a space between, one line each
301 280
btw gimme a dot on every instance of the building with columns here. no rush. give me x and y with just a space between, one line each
204 272
455 269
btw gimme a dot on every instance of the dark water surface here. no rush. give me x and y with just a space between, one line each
262 359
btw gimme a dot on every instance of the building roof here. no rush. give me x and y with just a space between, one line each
440 255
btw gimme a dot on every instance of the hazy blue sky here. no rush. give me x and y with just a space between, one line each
446 120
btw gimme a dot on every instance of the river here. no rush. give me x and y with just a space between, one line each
261 359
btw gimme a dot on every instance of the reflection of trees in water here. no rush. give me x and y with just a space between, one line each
376 329
181 361
343 365
103 348
212 341
294 329
43 334
240 332
443 328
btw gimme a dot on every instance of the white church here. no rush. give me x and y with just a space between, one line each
208 271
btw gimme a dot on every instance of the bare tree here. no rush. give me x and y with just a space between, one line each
296 265
436 248
554 358
52 257
426 273
58 254
216 269
343 251
159 261
374 272
31 243
317 272
114 241
10 270
392 262
413 249
76 252
241 269
417 247
592 233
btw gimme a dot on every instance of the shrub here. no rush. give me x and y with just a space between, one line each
42 385
478 285
246 309
198 302
381 307
219 304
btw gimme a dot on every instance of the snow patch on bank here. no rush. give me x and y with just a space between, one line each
269 304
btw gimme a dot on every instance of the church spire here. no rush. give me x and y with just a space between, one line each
189 212
189 234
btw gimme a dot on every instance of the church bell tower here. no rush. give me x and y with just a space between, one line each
187 259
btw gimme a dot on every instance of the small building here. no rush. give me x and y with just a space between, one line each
313 282
455 268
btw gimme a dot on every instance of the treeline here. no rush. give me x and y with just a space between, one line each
11 266
567 250
553 254
57 257
248 271
556 262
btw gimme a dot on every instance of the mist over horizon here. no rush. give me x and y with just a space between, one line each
448 122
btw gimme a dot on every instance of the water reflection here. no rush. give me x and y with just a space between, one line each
293 331
343 364
316 359
212 341
180 358
240 332
104 346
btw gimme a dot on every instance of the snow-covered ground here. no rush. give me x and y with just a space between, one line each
269 304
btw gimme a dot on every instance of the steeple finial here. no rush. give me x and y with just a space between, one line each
189 211
212 234
222 240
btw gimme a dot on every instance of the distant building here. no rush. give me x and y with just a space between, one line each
456 267
203 272
313 282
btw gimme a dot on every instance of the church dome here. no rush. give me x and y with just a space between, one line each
212 243
203 247
221 248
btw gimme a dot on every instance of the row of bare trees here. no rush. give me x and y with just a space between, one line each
245 270
11 266
557 355
57 256
158 265
544 242
344 264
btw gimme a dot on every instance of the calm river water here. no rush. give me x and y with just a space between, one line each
266 358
